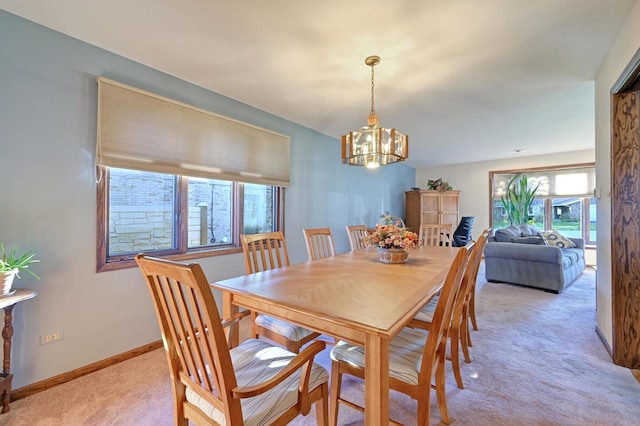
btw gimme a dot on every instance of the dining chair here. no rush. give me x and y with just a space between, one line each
358 237
472 299
458 329
253 383
263 252
319 243
465 329
462 234
435 234
415 357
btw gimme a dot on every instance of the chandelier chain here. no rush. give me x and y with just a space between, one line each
373 110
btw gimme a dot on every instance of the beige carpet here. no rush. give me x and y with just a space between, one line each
535 361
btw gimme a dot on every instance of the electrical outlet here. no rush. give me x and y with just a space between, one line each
50 338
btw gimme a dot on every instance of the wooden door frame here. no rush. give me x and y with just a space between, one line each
625 219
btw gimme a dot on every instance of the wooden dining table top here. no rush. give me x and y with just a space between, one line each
348 294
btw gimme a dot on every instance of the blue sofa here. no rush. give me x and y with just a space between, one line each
520 255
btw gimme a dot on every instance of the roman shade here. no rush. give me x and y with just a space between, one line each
144 131
576 182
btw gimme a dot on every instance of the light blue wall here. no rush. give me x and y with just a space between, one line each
48 195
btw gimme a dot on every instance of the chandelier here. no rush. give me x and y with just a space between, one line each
373 145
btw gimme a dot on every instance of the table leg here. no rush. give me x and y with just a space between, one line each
228 311
376 382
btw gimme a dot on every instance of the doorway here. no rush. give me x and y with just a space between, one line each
625 216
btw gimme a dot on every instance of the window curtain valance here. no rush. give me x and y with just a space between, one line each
143 131
576 182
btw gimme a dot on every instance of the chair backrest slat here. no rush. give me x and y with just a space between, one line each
264 251
358 237
319 243
185 327
435 234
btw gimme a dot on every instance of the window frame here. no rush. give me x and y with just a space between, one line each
586 222
585 219
104 262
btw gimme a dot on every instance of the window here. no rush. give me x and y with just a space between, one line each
178 216
574 217
563 202
181 181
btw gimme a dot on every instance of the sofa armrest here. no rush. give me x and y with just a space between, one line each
529 252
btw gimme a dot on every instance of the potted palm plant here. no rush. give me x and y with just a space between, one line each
520 196
11 264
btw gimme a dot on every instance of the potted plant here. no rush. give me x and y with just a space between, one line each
519 198
439 185
11 264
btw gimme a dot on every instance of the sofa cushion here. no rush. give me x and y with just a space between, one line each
532 239
527 230
556 239
505 235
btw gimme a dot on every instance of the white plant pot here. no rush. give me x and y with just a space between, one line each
6 281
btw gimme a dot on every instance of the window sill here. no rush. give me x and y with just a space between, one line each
130 262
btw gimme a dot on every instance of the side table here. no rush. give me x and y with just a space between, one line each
7 303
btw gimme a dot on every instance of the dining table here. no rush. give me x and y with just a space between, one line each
351 296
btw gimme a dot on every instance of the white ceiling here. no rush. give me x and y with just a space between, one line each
467 80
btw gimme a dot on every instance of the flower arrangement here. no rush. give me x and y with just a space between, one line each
439 185
393 237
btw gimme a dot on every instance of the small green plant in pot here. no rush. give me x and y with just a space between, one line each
11 264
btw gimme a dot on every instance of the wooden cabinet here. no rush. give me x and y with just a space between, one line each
431 207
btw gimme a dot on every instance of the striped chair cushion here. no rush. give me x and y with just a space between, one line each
290 331
405 354
426 313
256 361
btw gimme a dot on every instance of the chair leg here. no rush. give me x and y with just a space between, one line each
254 332
441 392
179 418
424 407
322 407
334 394
454 336
465 339
472 308
465 332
